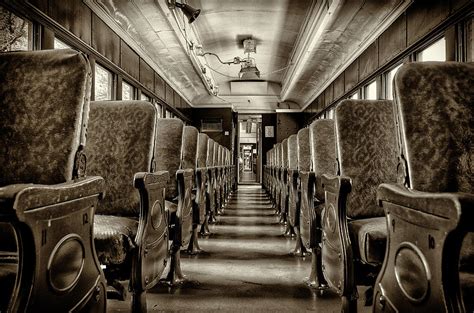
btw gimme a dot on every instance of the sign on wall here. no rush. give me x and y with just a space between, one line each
269 132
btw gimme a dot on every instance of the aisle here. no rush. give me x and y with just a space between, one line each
246 267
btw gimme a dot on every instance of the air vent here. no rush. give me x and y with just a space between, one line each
211 125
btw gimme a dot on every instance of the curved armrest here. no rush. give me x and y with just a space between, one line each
445 205
24 197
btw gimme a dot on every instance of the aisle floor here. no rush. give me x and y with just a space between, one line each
246 267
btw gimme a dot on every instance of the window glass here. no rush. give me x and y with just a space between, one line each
389 81
355 96
103 83
168 114
435 52
14 32
371 91
58 44
331 114
144 97
160 110
127 91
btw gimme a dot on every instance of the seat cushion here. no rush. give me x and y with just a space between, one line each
114 238
7 282
369 237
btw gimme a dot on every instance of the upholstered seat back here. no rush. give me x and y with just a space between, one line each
44 107
216 154
120 139
293 152
367 151
323 147
210 152
304 151
435 102
169 138
284 156
202 150
190 141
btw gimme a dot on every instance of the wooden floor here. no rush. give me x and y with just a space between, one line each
246 267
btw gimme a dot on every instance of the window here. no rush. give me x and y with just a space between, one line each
389 81
435 52
371 91
127 91
103 83
168 114
160 110
15 32
58 44
354 96
330 114
144 97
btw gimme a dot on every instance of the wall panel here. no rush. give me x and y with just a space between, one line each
105 41
129 60
160 87
169 95
328 95
339 86
74 15
146 75
368 61
351 75
423 16
40 4
393 40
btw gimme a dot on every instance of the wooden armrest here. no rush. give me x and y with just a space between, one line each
445 205
24 197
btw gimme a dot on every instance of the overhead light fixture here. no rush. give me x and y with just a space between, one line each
190 12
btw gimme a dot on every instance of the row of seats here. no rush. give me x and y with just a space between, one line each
92 193
383 195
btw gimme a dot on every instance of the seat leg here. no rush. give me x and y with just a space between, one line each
212 218
349 304
175 276
205 227
289 230
139 301
193 246
300 249
316 279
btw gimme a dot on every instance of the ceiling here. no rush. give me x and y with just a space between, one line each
301 45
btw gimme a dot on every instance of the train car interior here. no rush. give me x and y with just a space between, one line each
237 156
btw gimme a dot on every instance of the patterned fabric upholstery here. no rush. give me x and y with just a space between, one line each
43 103
114 238
370 158
304 152
169 138
323 147
438 128
216 154
284 146
278 155
190 137
438 131
369 237
202 150
120 141
210 153
293 152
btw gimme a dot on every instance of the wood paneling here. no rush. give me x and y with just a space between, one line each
328 95
368 61
423 16
458 4
169 95
146 75
160 87
40 4
393 40
105 40
129 60
351 75
339 86
320 103
75 16
176 100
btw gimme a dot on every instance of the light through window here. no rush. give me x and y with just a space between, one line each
144 97
160 110
14 32
58 44
355 96
103 83
127 91
371 91
435 52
